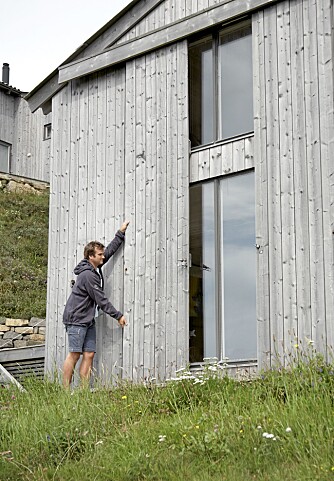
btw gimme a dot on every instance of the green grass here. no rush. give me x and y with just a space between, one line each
23 254
185 430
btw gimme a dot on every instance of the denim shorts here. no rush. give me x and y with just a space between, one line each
81 338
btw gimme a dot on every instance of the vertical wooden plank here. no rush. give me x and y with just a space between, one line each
238 155
130 214
314 175
193 164
180 9
140 168
169 14
111 330
51 351
151 216
83 164
104 324
216 161
119 216
249 151
325 26
274 184
261 192
182 329
161 202
290 334
300 173
63 173
92 117
203 164
172 214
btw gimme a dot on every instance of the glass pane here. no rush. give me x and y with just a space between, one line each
209 269
196 352
235 82
239 266
201 92
4 158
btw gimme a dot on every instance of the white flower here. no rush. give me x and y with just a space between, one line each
162 438
268 435
288 430
259 427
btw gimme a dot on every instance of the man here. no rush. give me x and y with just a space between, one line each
86 298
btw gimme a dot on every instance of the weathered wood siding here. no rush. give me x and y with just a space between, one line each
6 117
120 150
166 13
28 139
294 133
222 159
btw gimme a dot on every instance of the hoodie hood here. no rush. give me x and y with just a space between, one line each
83 265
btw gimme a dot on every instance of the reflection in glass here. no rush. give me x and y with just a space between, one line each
201 92
209 270
235 82
239 274
222 293
196 352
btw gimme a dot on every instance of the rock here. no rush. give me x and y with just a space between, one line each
42 330
24 330
6 343
17 322
36 337
35 321
12 335
4 328
20 343
20 188
2 320
30 342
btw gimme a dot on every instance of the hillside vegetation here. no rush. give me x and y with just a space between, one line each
23 254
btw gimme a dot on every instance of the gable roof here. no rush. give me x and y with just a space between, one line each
102 39
11 90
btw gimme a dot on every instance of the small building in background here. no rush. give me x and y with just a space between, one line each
24 136
209 125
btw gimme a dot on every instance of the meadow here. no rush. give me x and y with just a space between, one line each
204 427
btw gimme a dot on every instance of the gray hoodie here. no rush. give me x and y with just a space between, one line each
87 292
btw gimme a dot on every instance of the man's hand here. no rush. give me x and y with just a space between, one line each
122 321
124 226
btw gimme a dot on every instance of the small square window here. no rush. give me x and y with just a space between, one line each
47 132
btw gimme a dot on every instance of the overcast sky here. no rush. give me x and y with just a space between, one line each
36 36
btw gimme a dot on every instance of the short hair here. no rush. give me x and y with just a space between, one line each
89 249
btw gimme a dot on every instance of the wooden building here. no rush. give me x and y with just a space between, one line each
209 125
25 137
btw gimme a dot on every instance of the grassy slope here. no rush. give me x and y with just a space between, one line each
23 254
186 431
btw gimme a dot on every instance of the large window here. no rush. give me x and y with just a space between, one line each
221 85
4 157
223 269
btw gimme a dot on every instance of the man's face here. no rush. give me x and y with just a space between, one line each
97 259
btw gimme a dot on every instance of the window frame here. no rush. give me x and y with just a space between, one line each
47 131
220 324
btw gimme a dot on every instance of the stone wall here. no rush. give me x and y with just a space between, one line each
21 332
21 185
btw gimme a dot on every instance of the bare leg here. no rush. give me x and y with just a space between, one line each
68 368
86 367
